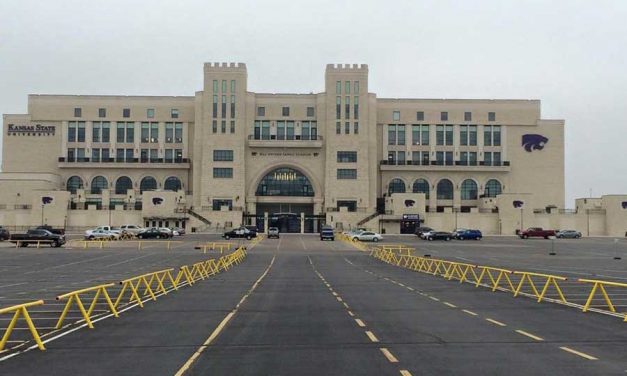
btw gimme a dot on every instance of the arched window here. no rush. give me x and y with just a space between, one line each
98 184
147 184
73 184
396 186
421 186
445 190
492 188
285 181
123 184
172 184
469 190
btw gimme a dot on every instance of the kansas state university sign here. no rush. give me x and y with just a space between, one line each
31 130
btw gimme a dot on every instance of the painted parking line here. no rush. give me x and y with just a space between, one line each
388 355
527 334
405 372
434 298
469 312
360 323
450 305
495 322
578 353
372 337
351 314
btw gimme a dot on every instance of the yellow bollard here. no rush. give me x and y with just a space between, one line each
101 242
139 245
168 245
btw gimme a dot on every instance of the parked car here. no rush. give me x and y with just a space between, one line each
131 229
100 234
241 232
154 233
252 228
327 233
178 230
57 231
458 230
438 235
38 235
367 236
536 232
468 234
273 232
420 231
4 234
168 232
573 234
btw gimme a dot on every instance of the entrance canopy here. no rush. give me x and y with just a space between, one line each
285 181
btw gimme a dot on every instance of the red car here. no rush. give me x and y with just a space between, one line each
536 232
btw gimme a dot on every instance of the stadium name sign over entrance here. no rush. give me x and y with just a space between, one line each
31 130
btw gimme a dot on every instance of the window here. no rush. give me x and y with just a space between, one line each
492 135
392 134
444 190
265 130
174 113
169 132
346 173
290 135
356 127
105 131
223 155
232 126
232 106
491 116
356 107
396 115
467 116
420 134
496 134
120 132
154 156
98 184
346 156
232 86
218 204
439 134
223 86
150 113
80 132
468 158
143 156
420 157
396 186
223 107
285 181
444 158
172 184
119 155
349 204
214 111
261 111
444 116
222 173
102 112
73 184
347 87
122 185
130 132
154 132
95 155
347 127
310 112
421 186
126 112
80 155
420 115
338 107
400 157
400 137
347 108
78 112
71 155
129 155
492 158
147 184
223 126
178 155
71 131
469 190
285 111
95 131
214 126
338 127
444 135
309 130
280 130
338 87
169 156
492 188
449 135
356 87
215 86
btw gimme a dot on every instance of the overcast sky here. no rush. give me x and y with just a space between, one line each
570 54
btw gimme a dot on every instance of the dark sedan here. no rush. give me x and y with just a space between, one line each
241 232
154 233
4 234
438 235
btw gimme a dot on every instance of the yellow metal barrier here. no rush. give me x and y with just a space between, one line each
74 296
184 273
21 310
215 245
499 273
146 280
550 280
600 285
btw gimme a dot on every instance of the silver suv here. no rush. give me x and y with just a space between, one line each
273 232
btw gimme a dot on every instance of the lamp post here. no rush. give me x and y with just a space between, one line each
42 213
521 219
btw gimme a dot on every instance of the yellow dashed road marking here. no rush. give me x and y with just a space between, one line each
410 289
346 305
469 312
360 323
334 293
350 313
372 337
579 353
450 305
405 372
434 298
338 299
390 357
529 335
495 322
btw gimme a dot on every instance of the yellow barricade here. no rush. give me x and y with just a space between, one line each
460 271
74 296
215 246
550 280
21 310
146 280
101 243
600 285
491 273
184 272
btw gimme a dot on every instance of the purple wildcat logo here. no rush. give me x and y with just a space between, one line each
409 203
533 142
518 204
157 200
46 200
624 204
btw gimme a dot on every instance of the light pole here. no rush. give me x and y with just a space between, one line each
521 220
42 213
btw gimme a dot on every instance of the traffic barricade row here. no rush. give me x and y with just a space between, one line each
535 285
135 290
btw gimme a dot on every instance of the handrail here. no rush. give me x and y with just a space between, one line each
74 296
21 310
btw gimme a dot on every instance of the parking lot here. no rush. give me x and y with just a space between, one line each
299 305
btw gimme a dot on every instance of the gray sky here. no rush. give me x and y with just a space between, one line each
570 54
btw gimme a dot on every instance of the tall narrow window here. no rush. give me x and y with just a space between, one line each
215 106
338 107
356 107
305 130
338 87
80 134
178 132
257 131
497 135
215 86
169 133
400 138
463 135
356 127
232 86
223 86
290 130
356 87
392 134
232 106
487 135
145 133
265 130
347 127
449 134
121 128
214 126
154 133
71 131
347 87
424 138
223 105
105 131
347 109
95 131
223 126
232 126
338 127
472 135
439 134
280 130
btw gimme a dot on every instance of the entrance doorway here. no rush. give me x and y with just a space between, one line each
285 216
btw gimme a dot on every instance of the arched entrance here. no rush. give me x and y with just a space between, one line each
286 194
